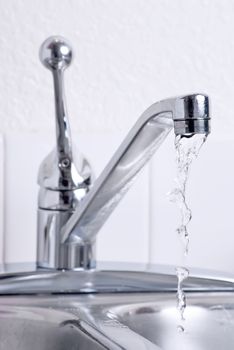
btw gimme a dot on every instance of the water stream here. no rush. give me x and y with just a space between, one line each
187 149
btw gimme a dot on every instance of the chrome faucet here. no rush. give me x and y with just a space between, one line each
72 207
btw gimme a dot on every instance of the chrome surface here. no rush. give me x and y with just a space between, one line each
135 151
63 169
70 213
113 310
64 176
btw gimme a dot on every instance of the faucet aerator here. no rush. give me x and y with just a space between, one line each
195 117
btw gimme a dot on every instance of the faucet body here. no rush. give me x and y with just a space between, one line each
71 210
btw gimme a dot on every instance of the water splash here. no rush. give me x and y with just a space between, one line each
187 149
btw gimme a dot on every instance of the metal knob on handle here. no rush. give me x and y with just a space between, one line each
56 53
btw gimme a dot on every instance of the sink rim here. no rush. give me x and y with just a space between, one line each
110 278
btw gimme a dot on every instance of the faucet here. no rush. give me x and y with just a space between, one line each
72 207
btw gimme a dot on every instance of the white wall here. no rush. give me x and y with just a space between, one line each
129 54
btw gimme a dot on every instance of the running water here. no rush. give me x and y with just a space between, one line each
182 273
187 149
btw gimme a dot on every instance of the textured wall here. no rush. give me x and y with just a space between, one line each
129 54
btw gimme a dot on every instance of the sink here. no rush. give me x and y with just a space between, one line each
209 321
115 309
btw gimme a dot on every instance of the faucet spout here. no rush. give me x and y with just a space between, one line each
188 115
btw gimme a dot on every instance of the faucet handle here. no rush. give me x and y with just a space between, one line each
64 169
65 176
56 53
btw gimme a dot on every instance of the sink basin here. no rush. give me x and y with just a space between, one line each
209 321
113 310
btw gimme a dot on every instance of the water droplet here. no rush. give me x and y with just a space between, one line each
182 273
180 329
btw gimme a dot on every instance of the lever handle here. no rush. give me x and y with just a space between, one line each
64 177
56 55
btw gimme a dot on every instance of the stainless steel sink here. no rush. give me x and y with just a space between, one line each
35 327
113 310
209 321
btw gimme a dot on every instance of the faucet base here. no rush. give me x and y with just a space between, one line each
52 254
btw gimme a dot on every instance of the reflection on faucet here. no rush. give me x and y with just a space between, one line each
71 212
